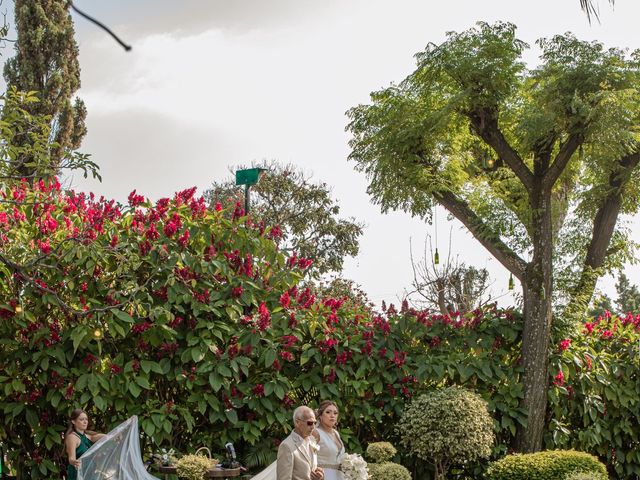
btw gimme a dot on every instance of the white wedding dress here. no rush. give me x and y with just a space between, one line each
328 455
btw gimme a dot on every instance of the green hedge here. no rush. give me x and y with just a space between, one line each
548 465
388 471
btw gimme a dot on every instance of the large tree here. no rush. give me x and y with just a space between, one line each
538 164
304 210
46 62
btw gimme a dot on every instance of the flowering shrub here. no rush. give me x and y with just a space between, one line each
594 397
448 426
194 320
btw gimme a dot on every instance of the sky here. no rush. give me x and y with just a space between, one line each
210 84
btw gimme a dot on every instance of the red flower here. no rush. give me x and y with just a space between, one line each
559 379
265 317
45 247
564 344
285 300
258 390
237 291
184 239
135 200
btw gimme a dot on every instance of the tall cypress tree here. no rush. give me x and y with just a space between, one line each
46 61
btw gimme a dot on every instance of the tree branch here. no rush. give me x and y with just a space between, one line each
567 149
603 227
460 209
485 125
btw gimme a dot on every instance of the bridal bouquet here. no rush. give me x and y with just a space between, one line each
354 467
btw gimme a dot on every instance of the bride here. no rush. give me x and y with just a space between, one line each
328 439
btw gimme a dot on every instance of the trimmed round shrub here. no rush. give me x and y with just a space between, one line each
548 465
379 452
585 476
448 426
388 471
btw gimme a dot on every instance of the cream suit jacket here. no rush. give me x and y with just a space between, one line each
293 461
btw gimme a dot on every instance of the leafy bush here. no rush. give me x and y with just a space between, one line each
192 319
548 465
594 398
447 426
194 467
585 476
388 471
379 452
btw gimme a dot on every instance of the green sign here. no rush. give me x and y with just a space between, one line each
249 176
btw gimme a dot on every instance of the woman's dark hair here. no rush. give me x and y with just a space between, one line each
324 405
74 416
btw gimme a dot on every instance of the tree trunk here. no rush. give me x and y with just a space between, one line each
537 288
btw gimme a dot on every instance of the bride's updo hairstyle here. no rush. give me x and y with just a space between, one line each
323 406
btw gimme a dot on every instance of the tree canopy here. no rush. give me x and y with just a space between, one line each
538 163
46 62
305 212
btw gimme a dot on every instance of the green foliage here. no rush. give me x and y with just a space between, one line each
115 310
46 62
388 471
448 426
628 295
379 452
585 476
25 145
596 395
548 465
304 210
552 152
428 138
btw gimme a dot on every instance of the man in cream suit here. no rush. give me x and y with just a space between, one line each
297 459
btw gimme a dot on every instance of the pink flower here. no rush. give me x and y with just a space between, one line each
135 200
285 300
264 317
559 379
564 344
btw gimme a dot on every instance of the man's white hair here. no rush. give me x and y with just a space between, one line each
298 412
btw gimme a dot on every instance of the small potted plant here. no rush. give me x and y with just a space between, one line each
194 467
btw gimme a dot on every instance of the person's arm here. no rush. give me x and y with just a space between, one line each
94 437
284 464
71 443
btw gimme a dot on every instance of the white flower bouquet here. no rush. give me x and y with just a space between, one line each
354 467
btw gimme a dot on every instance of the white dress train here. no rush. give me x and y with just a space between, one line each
268 473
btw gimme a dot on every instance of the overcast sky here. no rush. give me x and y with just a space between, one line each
212 83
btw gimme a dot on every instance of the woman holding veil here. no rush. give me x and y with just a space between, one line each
78 440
